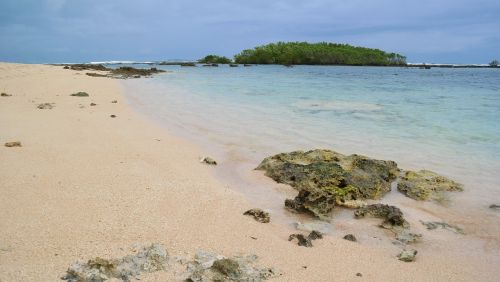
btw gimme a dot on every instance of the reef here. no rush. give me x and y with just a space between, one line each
326 179
426 185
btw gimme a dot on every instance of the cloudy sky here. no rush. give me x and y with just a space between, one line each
444 31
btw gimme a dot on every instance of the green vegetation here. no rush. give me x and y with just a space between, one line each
214 59
494 63
323 53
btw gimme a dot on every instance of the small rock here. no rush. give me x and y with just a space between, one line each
5 95
93 104
114 101
359 274
13 144
431 225
350 237
208 160
408 237
45 106
494 206
113 116
393 216
259 215
315 235
407 255
301 240
306 241
80 94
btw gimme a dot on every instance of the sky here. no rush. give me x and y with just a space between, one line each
71 31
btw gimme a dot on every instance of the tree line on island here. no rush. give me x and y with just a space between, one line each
304 53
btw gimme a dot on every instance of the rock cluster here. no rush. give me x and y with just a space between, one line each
45 106
148 259
13 144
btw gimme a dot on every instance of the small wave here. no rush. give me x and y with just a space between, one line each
337 106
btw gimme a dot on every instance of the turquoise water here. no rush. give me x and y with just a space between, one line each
447 120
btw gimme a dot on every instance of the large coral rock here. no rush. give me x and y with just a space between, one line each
149 259
326 178
426 185
211 267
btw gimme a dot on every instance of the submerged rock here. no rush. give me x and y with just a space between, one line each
392 216
217 268
13 144
431 225
407 255
259 215
350 237
149 259
326 178
306 241
45 106
407 237
494 206
320 226
80 94
426 185
208 160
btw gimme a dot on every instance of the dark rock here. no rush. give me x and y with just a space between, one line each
359 274
247 65
392 216
149 259
5 94
45 106
66 67
233 65
188 64
406 237
431 225
114 101
130 72
306 241
208 160
80 94
259 215
93 74
494 206
80 67
13 144
93 104
301 240
350 237
426 185
407 255
326 178
113 116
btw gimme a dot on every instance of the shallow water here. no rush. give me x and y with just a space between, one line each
446 120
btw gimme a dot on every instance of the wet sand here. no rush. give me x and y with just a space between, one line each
84 184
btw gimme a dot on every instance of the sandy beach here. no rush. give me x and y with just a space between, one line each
87 185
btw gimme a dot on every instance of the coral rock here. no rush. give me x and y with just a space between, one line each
259 215
426 185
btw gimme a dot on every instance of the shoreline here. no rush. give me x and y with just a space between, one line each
86 185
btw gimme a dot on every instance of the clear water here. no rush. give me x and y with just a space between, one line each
446 120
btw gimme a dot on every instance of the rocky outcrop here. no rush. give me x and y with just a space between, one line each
259 215
426 185
326 178
211 267
148 259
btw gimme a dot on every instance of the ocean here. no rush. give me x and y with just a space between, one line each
441 119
